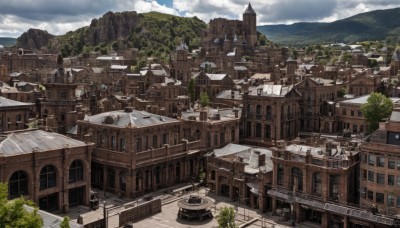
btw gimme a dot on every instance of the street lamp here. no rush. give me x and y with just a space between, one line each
105 214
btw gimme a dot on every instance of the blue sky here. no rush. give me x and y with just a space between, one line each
61 16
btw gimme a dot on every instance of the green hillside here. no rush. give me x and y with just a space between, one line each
7 41
374 25
154 34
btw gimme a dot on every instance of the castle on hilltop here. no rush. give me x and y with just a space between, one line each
230 38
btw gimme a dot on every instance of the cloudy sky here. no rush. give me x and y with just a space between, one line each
60 16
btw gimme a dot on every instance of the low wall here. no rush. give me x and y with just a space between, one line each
139 212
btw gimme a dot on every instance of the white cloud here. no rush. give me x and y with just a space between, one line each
60 16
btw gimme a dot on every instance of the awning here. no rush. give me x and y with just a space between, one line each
278 194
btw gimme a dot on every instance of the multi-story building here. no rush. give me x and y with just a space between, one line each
363 84
317 183
48 168
242 174
180 64
270 113
379 169
14 115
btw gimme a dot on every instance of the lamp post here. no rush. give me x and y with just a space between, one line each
105 214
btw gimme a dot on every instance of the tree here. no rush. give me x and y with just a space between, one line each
65 222
226 218
14 215
377 107
204 100
191 88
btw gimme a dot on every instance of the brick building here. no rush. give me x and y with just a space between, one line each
270 113
50 169
14 115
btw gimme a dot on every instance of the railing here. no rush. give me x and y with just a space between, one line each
110 155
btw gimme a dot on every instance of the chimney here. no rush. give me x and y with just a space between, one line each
203 115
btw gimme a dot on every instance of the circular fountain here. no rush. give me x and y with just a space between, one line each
194 207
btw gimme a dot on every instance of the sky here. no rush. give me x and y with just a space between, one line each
61 16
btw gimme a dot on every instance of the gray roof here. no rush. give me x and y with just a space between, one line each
272 90
52 220
248 155
240 68
227 94
395 116
4 102
249 10
363 99
134 118
24 142
216 77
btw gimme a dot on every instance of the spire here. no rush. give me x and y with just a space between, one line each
249 10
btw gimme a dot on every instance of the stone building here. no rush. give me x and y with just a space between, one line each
379 168
180 64
317 106
270 113
363 84
48 168
350 116
138 152
316 183
212 84
14 115
242 174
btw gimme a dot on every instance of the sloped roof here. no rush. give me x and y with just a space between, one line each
249 10
216 77
4 102
272 90
25 142
133 118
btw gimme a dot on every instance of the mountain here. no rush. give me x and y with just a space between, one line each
374 25
33 39
7 41
154 34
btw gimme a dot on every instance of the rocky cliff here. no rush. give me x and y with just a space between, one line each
34 39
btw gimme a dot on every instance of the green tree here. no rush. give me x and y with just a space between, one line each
226 218
191 89
14 215
65 222
377 107
204 100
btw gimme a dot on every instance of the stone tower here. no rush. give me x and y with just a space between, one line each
180 64
250 25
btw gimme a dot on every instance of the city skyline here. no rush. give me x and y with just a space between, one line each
59 18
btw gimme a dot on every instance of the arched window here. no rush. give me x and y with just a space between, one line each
75 171
268 113
18 184
258 111
297 179
268 131
316 183
48 177
139 144
122 144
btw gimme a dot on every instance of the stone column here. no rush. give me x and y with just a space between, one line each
274 205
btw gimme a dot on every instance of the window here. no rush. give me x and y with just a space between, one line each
370 195
165 138
334 187
48 177
113 142
317 183
379 198
371 176
398 202
343 112
398 181
122 144
268 131
111 178
215 139
139 144
269 113
222 137
359 113
155 141
364 193
363 158
398 164
75 171
352 112
258 112
248 129
18 184
390 200
233 135
391 180
391 163
371 159
258 130
297 179
380 161
281 173
380 178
